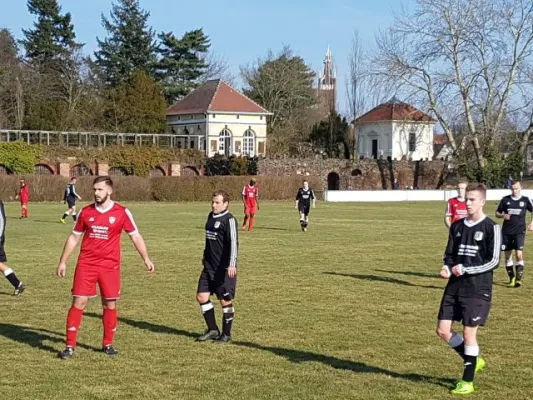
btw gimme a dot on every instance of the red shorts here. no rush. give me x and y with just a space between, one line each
86 278
250 209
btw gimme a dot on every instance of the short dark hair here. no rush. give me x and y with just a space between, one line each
223 193
103 178
513 182
73 178
305 180
477 187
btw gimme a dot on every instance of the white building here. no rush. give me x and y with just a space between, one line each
395 129
219 119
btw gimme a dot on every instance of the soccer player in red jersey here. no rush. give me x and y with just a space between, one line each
101 225
456 206
250 196
24 196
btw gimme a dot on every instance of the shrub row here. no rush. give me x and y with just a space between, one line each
171 189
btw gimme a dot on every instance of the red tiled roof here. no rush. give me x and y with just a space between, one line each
394 110
215 96
440 139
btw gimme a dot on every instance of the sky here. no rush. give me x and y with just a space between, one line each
241 31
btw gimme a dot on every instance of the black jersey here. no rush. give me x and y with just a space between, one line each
221 242
517 209
475 246
304 197
70 192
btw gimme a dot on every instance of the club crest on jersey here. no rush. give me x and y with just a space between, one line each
478 236
522 204
112 220
217 224
91 219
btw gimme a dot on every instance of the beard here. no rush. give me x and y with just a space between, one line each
101 200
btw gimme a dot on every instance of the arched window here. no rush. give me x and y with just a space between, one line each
224 142
248 143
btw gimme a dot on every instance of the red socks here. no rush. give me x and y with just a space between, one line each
73 325
251 224
110 321
25 212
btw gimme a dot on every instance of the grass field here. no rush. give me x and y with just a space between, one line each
344 311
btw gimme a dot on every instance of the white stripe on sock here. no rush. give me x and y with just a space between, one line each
472 351
8 271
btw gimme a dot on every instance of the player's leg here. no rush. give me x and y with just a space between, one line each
226 293
450 311
109 283
306 218
302 217
252 219
208 309
73 211
509 266
520 241
10 275
246 216
66 214
24 210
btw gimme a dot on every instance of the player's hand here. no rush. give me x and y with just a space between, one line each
444 273
258 207
457 270
149 265
506 217
530 227
61 270
232 272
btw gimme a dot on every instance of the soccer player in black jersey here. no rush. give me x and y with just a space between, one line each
219 275
70 198
303 203
8 272
472 253
513 209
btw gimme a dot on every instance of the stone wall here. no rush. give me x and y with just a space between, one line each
360 175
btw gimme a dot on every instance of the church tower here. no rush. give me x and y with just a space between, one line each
327 85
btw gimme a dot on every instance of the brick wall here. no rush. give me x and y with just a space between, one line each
360 175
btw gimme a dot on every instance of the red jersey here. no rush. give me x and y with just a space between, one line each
24 194
102 230
250 194
456 209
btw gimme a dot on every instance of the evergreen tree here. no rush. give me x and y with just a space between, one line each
137 106
53 36
182 63
129 46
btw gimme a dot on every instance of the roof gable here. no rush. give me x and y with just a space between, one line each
215 96
395 110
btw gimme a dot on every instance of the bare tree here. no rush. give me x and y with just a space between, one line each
464 60
217 68
362 92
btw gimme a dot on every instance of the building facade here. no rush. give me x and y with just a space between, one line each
396 130
218 119
327 85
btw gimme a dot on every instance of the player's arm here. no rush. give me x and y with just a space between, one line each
313 197
492 258
70 245
448 215
140 246
244 196
232 240
298 196
447 259
257 198
500 211
74 192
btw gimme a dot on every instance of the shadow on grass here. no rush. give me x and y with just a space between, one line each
299 356
411 273
383 279
148 326
269 228
36 337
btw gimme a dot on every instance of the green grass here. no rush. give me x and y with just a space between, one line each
344 311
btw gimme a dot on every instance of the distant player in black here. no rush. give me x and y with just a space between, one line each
70 198
219 275
8 272
472 253
303 203
513 209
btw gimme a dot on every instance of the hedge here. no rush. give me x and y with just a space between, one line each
169 189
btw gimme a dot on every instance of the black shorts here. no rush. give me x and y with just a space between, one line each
223 286
71 202
472 311
304 209
513 242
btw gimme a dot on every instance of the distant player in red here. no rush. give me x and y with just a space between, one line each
250 197
101 225
456 206
24 196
